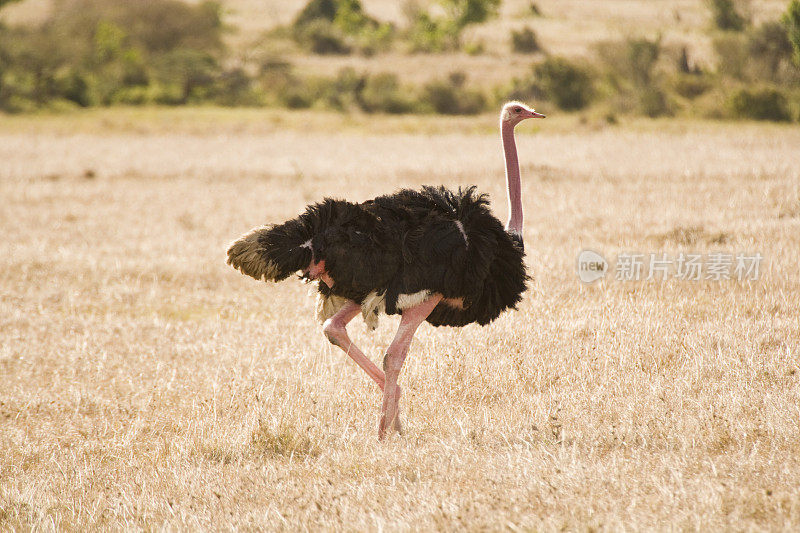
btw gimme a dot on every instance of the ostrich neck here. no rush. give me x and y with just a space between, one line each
514 224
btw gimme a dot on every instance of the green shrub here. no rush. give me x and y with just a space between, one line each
371 40
315 91
378 93
632 60
642 57
466 12
322 37
137 95
316 10
350 17
75 88
654 102
764 104
791 20
161 26
16 104
339 27
428 33
636 84
474 48
732 56
343 90
382 93
565 83
524 41
691 86
192 74
115 63
452 97
297 98
234 87
769 48
760 53
131 52
725 15
274 78
32 62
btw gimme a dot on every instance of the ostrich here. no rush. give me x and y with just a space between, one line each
434 254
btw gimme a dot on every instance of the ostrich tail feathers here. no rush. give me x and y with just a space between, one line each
269 253
249 255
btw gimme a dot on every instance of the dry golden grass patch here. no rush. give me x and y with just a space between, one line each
145 384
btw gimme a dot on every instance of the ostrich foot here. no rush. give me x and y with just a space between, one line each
398 425
385 428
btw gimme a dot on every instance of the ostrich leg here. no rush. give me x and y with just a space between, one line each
393 361
335 329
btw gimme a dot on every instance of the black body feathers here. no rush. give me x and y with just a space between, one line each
397 246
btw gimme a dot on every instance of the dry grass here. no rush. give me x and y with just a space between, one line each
148 385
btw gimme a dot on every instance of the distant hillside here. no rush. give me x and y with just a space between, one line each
566 27
645 57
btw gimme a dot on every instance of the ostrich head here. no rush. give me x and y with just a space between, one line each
515 112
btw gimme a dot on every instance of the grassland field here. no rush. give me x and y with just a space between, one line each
144 384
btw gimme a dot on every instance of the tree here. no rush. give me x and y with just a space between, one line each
770 44
135 52
524 41
339 27
436 34
792 21
565 83
725 15
465 12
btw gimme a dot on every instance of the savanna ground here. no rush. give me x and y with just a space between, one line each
146 384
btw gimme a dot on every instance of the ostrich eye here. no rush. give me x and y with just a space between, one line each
517 110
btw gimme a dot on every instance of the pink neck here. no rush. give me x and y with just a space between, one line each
514 224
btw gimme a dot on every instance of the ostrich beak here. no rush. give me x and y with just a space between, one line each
534 114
